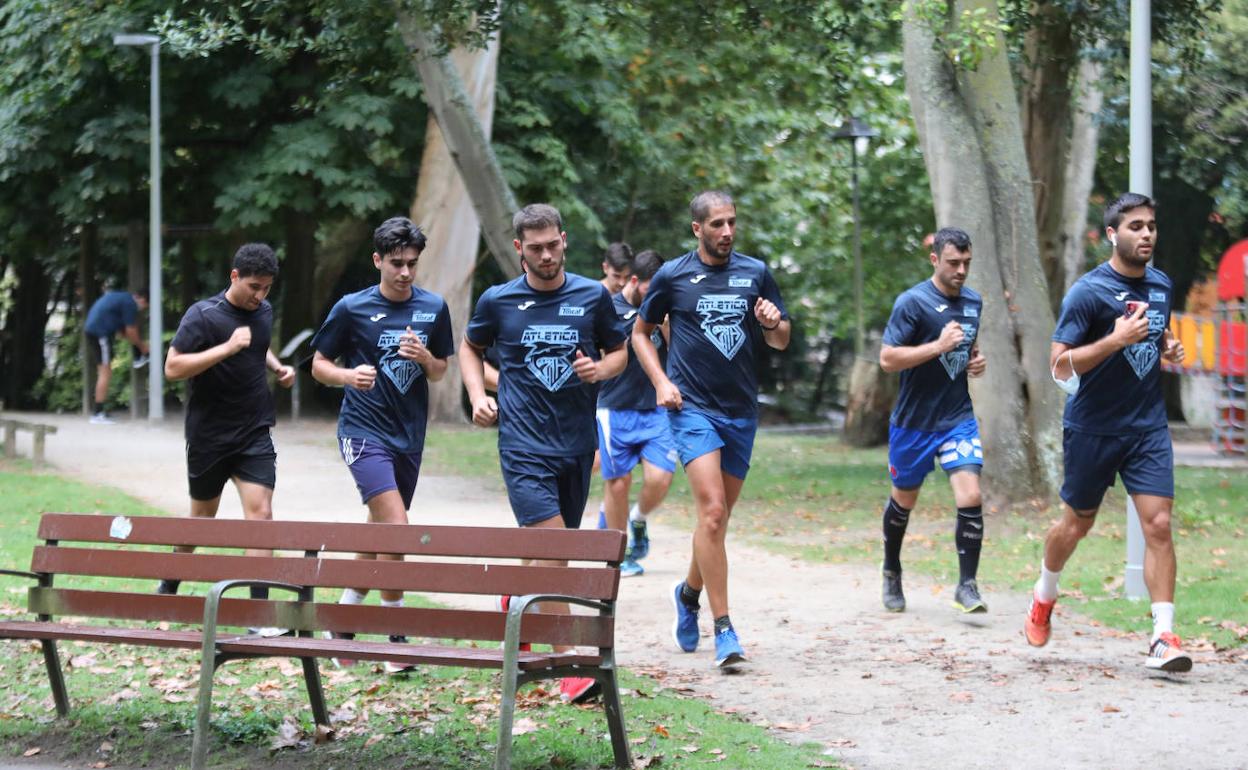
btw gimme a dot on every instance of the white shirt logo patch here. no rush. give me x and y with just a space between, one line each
526 305
1120 296
941 308
697 278
376 318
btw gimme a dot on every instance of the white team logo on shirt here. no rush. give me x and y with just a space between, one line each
525 305
376 318
551 347
955 360
721 321
1143 355
400 371
941 308
697 278
1120 296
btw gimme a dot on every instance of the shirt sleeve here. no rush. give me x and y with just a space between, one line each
191 334
770 291
1076 319
441 341
329 338
899 332
658 302
483 326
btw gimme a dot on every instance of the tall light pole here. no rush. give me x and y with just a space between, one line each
859 134
155 368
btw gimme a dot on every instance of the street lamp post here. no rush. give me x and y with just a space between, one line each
859 133
155 368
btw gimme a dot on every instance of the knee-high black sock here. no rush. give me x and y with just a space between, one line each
969 536
895 520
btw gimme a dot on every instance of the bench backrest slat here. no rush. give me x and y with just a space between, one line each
414 539
432 577
416 622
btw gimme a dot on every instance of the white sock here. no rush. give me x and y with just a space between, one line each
1163 618
1046 586
392 603
351 596
635 514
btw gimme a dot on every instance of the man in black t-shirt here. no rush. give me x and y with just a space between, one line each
222 348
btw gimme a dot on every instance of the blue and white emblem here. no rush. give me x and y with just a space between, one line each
1143 355
721 321
397 369
955 360
551 348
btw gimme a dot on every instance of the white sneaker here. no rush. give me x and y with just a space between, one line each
102 418
141 361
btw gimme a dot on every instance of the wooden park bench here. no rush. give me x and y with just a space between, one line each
84 556
37 430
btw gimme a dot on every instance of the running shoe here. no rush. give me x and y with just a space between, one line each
685 627
728 652
168 587
1039 625
268 632
1166 654
640 545
341 662
504 603
630 568
602 518
101 418
141 361
390 666
894 599
578 689
967 598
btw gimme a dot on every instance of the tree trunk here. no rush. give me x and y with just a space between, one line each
88 257
968 126
24 329
872 392
1084 142
467 142
443 207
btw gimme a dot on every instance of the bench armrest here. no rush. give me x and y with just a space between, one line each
18 573
212 604
518 605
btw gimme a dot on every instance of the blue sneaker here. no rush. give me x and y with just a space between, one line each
685 627
640 541
602 518
728 652
630 568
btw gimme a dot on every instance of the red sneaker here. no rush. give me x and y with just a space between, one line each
1037 628
578 689
1166 654
504 602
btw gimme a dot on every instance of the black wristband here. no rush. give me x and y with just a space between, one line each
770 328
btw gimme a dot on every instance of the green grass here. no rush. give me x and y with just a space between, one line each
134 706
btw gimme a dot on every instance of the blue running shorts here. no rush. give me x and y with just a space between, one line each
698 433
376 469
540 487
628 436
1144 460
912 454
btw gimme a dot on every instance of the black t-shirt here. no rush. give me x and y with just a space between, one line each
230 403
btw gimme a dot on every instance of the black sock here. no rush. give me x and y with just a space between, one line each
259 592
895 520
689 596
722 623
969 536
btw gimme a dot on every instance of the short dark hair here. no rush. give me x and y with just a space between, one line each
397 234
142 292
255 259
646 264
951 236
1126 202
619 256
536 216
700 206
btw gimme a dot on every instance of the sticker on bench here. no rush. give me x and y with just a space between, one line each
120 528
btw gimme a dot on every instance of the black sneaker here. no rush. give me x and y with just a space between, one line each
894 599
967 599
345 635
168 587
397 668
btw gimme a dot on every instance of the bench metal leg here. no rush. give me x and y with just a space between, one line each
615 716
199 745
56 677
506 715
316 695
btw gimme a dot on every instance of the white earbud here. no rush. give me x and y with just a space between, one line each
1113 240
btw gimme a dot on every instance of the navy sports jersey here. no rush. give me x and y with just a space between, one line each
543 407
111 313
1122 394
364 328
631 389
230 401
715 338
933 394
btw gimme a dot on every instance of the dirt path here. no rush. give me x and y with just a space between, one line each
924 689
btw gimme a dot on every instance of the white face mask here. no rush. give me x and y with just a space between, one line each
1070 386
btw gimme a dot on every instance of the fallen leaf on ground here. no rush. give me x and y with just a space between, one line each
962 697
524 726
1111 709
842 743
32 752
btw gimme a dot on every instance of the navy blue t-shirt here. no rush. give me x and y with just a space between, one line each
111 313
1122 394
715 338
933 395
543 407
230 402
365 328
631 389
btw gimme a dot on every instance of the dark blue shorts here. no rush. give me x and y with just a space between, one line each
913 453
376 469
1144 460
698 433
541 487
628 436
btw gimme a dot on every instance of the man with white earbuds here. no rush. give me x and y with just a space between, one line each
1110 337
